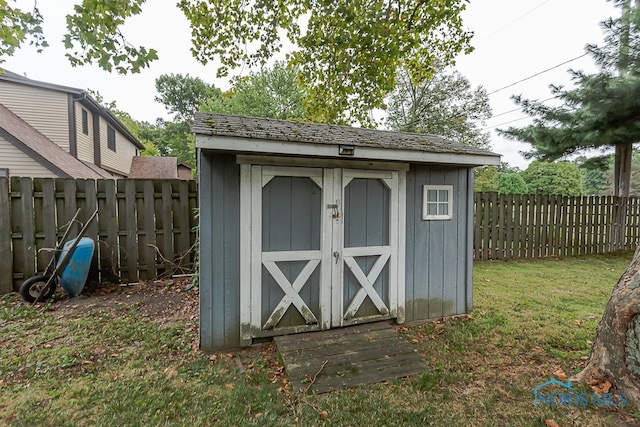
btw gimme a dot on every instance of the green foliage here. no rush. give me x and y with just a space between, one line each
170 139
485 178
553 178
94 36
270 93
511 183
445 104
601 111
17 27
348 55
594 172
183 96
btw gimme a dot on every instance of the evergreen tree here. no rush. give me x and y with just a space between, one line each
601 111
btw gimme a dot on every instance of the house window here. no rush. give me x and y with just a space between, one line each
4 172
111 138
437 202
85 122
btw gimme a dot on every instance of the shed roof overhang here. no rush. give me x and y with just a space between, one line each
238 145
250 135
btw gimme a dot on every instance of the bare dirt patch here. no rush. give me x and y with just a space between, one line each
163 301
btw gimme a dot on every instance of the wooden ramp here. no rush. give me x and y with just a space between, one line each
347 357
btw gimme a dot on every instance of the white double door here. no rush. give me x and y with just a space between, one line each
320 248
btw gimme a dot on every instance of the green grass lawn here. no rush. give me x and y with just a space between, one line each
114 366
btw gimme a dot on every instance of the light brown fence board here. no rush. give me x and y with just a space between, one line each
532 226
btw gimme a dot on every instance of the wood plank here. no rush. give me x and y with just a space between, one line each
500 227
509 246
146 229
518 225
181 222
6 262
107 231
27 226
494 225
563 206
537 231
554 225
477 234
544 225
347 357
531 225
486 211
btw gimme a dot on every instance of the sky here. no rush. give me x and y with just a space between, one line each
513 41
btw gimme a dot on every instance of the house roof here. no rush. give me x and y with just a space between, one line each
154 168
81 96
28 139
367 143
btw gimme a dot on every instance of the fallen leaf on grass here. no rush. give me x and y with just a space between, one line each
324 415
213 358
551 423
578 322
229 386
560 374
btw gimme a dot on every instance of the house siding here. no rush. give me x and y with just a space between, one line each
44 109
84 142
438 280
120 160
21 164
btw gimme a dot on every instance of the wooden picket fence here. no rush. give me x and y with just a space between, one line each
534 226
144 228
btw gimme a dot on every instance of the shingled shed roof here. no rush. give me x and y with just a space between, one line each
252 128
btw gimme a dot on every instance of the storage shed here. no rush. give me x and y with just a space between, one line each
307 227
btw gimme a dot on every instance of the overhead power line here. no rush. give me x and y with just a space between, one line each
506 123
514 21
518 109
537 74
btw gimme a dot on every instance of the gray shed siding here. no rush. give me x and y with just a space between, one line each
438 264
438 253
219 251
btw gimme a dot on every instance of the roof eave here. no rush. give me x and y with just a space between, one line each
263 146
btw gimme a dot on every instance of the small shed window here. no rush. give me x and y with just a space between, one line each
111 138
4 172
85 122
437 202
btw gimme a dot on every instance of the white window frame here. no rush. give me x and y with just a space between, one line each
425 202
4 172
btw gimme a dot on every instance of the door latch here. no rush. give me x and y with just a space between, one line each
336 254
336 212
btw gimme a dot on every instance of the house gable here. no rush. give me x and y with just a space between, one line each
72 119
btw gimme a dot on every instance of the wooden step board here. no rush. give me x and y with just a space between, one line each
347 357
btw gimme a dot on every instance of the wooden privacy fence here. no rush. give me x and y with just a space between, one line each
144 228
532 226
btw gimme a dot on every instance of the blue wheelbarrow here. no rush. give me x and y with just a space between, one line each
69 268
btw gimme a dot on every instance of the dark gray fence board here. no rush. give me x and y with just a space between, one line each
6 260
133 218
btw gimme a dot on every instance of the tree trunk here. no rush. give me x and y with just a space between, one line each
615 354
622 170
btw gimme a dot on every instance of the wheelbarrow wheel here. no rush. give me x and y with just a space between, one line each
33 288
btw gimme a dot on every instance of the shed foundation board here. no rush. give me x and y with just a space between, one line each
347 357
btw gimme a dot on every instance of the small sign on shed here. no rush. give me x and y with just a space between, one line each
307 227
